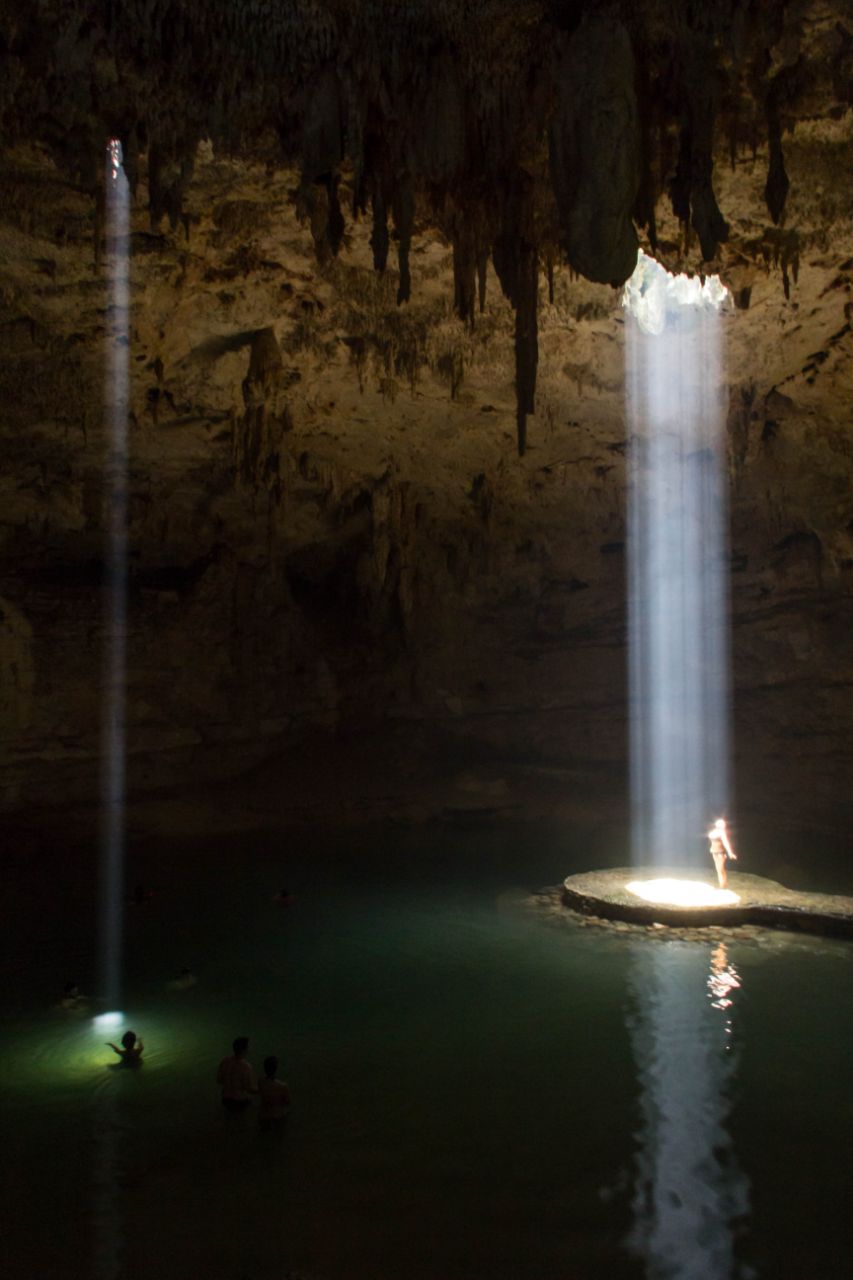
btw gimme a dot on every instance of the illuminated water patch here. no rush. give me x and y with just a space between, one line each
108 1021
681 893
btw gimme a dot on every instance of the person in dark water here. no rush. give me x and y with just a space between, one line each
236 1078
130 1051
185 979
721 850
275 1098
284 898
71 997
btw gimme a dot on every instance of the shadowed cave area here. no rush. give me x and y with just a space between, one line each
376 631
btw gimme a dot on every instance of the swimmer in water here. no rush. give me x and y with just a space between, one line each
71 997
721 850
141 895
275 1098
184 980
284 898
131 1050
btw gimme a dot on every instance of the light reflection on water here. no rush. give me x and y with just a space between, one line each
690 1194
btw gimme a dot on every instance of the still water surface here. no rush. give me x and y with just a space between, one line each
476 1094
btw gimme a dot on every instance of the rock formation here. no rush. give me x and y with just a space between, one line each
373 255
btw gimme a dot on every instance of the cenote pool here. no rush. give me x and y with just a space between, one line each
477 1093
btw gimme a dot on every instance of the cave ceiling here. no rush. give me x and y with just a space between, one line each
529 135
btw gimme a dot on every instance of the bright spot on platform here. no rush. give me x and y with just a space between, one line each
105 1021
682 893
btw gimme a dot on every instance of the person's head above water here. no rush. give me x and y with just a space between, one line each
240 1046
129 1039
71 989
270 1066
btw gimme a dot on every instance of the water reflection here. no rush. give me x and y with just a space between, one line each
106 1179
723 981
689 1192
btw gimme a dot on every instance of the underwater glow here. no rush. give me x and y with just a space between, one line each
681 893
107 1021
117 203
677 563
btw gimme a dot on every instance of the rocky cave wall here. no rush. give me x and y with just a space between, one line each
346 587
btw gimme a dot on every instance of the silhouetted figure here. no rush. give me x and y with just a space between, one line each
130 1051
284 898
185 979
721 849
71 997
236 1078
275 1097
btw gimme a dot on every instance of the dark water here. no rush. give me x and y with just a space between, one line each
476 1094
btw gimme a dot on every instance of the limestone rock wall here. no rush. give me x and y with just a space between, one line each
332 538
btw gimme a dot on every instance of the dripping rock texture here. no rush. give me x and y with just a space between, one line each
377 419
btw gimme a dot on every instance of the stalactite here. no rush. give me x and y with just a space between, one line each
379 240
464 271
526 340
644 205
782 88
482 269
258 434
431 102
516 260
403 208
596 115
693 188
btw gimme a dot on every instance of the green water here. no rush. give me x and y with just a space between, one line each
468 1095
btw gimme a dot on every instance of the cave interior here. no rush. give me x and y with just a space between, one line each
377 428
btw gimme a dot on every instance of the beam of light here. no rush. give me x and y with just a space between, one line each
110 1142
115 585
677 563
689 1192
681 893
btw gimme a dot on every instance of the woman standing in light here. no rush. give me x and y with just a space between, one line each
721 849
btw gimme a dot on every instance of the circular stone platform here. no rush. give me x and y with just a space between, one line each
605 894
